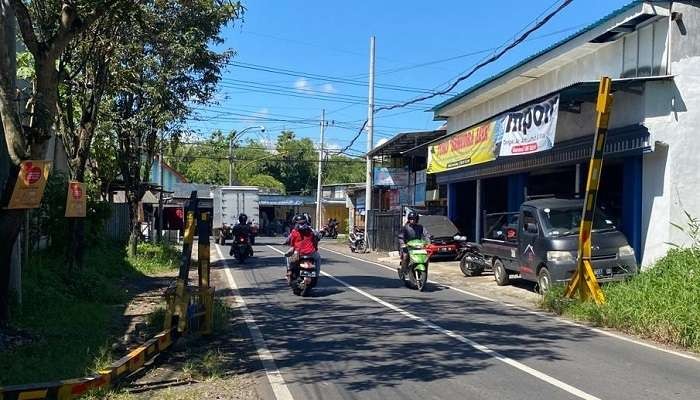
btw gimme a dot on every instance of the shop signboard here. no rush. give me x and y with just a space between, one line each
76 204
528 130
470 147
384 176
30 185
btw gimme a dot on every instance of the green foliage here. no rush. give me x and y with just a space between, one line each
155 258
53 208
342 169
662 303
25 66
71 314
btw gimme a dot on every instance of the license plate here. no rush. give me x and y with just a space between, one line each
602 271
310 274
444 249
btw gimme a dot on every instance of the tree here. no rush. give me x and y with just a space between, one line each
297 169
84 72
47 28
343 169
163 67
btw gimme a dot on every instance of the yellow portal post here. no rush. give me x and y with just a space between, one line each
584 281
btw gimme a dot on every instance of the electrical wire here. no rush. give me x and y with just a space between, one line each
477 67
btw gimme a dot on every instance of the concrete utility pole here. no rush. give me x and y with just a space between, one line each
161 159
370 143
319 190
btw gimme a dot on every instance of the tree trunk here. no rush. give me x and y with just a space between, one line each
10 222
135 235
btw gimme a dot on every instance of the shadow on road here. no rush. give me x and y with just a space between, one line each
361 345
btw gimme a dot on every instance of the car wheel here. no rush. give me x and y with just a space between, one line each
544 280
500 273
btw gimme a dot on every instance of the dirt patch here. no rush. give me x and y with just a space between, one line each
218 366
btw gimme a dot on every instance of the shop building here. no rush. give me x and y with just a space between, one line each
528 130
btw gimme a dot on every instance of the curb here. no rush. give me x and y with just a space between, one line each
71 388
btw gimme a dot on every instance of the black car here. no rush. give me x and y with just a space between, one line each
540 242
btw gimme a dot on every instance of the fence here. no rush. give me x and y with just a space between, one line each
384 228
117 226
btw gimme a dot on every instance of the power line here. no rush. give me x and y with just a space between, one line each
478 66
323 78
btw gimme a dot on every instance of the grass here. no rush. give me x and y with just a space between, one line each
72 316
662 303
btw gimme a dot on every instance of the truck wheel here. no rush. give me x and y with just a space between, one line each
500 273
544 280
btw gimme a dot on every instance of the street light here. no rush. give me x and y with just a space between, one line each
230 150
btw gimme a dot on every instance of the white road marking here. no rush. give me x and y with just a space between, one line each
533 312
279 387
479 347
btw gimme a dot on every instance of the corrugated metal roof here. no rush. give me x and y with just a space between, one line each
398 144
538 54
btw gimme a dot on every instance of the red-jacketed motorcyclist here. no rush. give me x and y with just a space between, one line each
304 241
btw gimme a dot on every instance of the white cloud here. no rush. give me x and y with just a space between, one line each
303 85
381 142
328 88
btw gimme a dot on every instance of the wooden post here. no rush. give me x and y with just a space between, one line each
584 281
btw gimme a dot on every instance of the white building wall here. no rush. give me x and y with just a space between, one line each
671 180
606 60
669 109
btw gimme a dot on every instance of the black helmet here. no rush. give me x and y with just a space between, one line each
242 219
413 216
308 218
299 219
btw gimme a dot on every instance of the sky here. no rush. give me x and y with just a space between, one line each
296 58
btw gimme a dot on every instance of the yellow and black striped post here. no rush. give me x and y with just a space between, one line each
205 292
584 281
177 309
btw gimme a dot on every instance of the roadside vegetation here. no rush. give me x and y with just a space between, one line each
662 303
68 319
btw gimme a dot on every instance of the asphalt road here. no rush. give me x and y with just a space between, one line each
363 335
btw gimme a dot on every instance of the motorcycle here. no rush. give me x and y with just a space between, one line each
330 231
417 268
471 261
241 248
301 275
356 241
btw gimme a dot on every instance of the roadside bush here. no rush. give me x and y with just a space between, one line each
662 303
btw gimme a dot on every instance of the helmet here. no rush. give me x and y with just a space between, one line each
301 221
308 218
413 216
242 219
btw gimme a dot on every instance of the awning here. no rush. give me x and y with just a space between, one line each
633 139
287 201
405 141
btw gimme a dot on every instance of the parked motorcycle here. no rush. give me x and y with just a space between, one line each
301 276
330 231
416 269
356 241
241 248
471 261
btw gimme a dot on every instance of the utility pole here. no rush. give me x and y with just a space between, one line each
319 190
370 143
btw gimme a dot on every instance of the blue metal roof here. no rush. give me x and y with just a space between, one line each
534 56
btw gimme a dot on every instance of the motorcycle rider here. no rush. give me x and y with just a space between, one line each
304 240
410 231
240 229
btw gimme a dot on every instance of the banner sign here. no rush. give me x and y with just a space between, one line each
530 129
384 176
470 147
30 185
76 204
